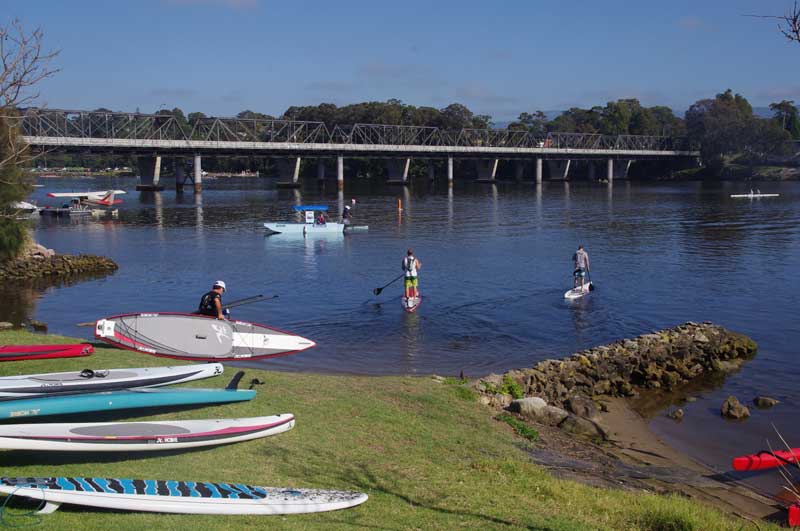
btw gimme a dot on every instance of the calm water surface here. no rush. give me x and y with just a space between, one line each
496 264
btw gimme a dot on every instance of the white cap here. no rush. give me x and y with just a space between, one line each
220 284
347 207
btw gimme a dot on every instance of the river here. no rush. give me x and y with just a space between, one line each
496 262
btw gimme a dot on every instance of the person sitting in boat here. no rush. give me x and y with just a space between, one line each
211 302
347 215
411 265
321 219
581 262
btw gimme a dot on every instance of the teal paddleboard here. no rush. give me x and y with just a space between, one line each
113 400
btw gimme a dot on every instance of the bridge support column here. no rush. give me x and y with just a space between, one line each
398 171
487 170
149 173
320 169
519 170
198 173
180 175
340 172
450 171
559 169
538 171
289 172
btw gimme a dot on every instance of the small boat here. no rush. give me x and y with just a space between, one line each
72 209
310 227
24 209
753 195
577 293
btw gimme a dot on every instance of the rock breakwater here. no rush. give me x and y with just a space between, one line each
39 262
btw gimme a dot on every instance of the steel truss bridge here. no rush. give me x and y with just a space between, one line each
146 134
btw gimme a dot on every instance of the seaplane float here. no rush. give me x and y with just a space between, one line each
315 223
81 204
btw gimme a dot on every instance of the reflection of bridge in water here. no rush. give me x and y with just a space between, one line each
150 137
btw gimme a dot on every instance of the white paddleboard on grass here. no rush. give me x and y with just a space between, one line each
139 436
577 293
186 497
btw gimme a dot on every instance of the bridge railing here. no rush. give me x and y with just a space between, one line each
37 122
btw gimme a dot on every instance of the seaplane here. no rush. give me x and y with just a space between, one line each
80 203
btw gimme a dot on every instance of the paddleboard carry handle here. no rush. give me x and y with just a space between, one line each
234 383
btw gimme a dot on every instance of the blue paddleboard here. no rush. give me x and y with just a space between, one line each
113 400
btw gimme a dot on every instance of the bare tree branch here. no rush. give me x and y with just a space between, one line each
789 24
24 64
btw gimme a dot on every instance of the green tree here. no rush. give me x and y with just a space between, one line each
25 64
786 115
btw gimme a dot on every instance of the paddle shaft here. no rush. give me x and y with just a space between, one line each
377 291
249 300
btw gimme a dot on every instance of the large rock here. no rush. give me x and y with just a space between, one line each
733 409
765 402
536 409
582 427
583 407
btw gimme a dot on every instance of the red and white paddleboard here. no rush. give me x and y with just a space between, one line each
35 352
410 304
764 460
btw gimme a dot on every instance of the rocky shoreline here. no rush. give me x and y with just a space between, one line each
38 262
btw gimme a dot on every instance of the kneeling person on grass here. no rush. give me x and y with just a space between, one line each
411 265
211 303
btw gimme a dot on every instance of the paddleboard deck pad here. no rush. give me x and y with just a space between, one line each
577 293
114 400
140 436
36 352
197 337
187 497
95 380
410 304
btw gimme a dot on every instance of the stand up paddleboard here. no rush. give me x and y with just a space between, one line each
94 380
197 337
139 436
130 399
577 293
35 352
187 497
410 304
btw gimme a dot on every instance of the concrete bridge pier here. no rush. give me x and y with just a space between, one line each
340 172
450 171
320 170
289 172
620 171
487 170
559 169
149 173
519 170
180 175
398 171
538 171
198 173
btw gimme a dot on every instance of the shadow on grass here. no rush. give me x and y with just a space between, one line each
317 465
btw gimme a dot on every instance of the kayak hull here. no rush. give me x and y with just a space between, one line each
765 460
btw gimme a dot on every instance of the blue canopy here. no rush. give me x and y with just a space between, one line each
301 208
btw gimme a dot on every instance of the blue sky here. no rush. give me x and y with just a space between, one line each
498 58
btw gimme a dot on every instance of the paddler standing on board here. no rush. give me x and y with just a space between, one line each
581 262
211 303
411 265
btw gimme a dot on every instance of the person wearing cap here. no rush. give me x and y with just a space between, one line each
211 303
347 215
411 265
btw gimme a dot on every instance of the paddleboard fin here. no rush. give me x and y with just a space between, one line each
49 508
234 383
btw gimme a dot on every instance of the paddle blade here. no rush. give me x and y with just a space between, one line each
591 286
377 291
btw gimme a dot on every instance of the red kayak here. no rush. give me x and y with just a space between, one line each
764 460
794 515
37 352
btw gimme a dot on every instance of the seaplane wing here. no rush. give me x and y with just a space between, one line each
101 198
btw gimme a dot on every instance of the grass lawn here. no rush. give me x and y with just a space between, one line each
427 453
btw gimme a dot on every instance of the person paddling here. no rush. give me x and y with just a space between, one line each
211 302
581 262
411 265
